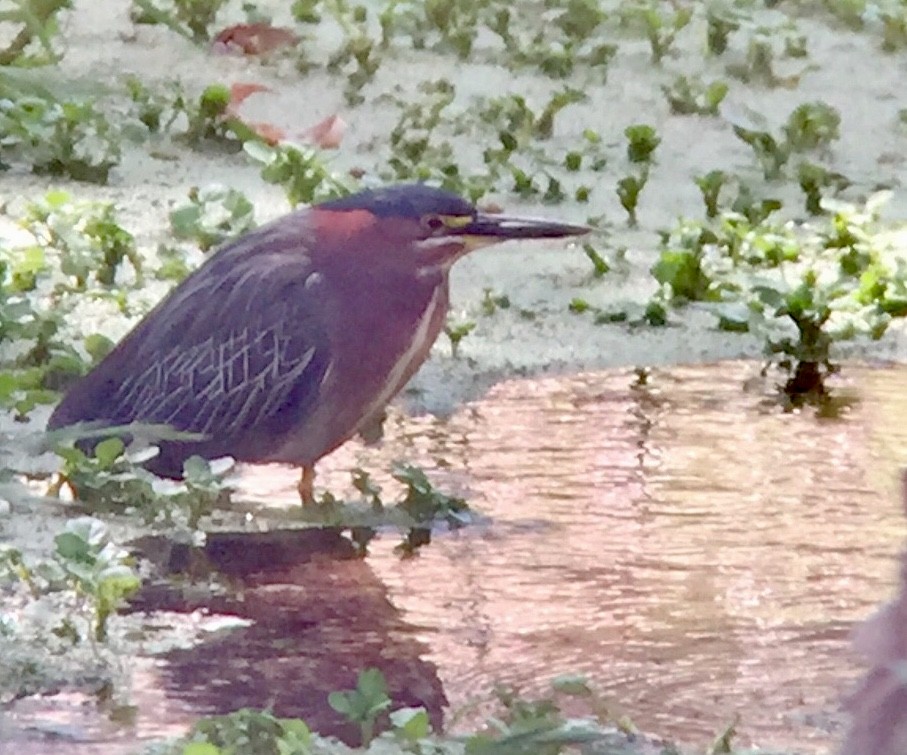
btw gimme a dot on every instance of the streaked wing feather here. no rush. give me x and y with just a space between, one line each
235 352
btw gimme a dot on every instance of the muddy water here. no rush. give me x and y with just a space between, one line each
691 548
695 551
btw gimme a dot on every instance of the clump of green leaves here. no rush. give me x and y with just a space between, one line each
816 181
710 185
894 29
365 704
518 124
688 96
559 48
803 289
419 507
642 140
212 215
682 269
300 170
765 46
425 505
628 190
810 126
721 23
86 236
109 477
74 249
442 25
659 25
523 725
190 18
86 564
415 153
59 138
208 118
37 21
246 730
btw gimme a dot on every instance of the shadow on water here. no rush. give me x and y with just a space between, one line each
693 549
318 615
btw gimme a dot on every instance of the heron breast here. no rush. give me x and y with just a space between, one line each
408 362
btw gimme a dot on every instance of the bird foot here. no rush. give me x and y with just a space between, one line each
306 486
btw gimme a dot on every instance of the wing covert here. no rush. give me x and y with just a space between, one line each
236 352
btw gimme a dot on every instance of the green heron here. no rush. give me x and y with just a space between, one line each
293 338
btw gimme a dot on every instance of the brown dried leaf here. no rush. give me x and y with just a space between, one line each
326 134
240 92
254 39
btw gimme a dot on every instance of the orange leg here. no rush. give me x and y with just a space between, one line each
306 486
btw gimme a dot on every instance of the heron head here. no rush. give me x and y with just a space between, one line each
425 227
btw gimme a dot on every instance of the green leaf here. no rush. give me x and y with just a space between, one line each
260 152
196 469
411 723
73 547
108 451
98 346
342 702
116 583
371 682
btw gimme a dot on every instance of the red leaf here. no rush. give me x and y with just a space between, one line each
270 133
326 134
254 39
240 92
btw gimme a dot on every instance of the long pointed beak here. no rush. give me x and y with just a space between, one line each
491 228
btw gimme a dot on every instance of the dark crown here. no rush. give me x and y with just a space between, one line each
403 201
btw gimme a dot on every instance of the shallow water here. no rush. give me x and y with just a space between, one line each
691 548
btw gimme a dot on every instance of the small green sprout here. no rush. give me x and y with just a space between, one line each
425 504
681 271
628 190
710 186
815 180
578 306
720 25
812 125
660 28
772 154
492 302
642 140
207 117
365 704
456 332
600 266
543 127
694 97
